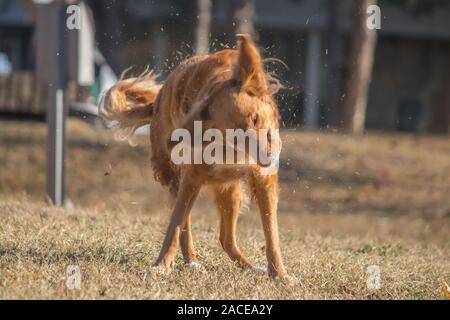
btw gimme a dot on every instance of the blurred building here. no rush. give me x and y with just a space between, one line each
410 82
16 31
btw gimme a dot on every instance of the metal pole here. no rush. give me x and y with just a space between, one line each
54 45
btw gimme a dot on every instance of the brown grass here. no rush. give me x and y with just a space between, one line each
346 203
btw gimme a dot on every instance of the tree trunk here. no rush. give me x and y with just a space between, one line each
203 28
440 111
241 17
362 51
30 7
333 58
109 31
245 17
312 80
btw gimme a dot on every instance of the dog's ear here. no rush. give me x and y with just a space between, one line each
249 70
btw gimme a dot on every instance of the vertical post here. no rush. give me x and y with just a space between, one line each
312 81
51 69
56 115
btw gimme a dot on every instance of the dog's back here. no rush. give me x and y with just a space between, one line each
188 84
166 107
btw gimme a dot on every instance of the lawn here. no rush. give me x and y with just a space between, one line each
346 203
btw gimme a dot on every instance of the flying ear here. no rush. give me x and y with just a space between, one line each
249 72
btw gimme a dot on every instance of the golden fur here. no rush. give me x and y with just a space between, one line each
225 90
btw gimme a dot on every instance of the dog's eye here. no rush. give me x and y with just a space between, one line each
255 120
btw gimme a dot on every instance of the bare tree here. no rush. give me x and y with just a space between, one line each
362 51
334 56
241 19
109 31
203 29
30 7
440 109
245 16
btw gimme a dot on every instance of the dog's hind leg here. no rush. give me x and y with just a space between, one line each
187 193
228 201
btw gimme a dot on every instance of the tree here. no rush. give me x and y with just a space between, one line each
440 110
333 58
203 28
241 18
245 16
362 51
109 30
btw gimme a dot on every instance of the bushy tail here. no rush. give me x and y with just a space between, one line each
128 105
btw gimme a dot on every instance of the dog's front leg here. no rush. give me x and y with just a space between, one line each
266 192
187 193
187 244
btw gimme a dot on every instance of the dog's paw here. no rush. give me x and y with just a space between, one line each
159 270
194 265
257 270
287 280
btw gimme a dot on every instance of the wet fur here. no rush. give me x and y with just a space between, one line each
227 89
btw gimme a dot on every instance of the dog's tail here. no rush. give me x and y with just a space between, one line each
128 105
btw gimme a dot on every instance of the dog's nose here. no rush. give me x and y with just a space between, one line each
265 165
272 149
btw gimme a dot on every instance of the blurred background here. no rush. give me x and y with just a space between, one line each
364 170
322 42
365 112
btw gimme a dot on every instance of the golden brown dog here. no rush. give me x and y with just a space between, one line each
225 90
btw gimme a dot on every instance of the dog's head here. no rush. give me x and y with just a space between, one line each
243 101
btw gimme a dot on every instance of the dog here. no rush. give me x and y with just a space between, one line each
226 90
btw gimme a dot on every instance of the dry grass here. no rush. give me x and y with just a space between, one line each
346 203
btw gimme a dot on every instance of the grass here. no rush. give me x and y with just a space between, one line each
346 203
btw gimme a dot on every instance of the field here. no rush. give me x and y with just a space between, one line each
346 203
